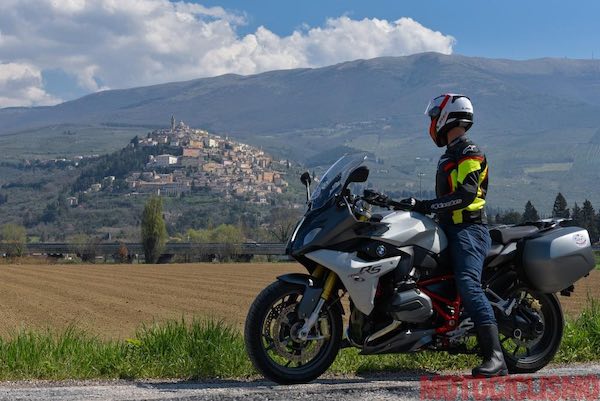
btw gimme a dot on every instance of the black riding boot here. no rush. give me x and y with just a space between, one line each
493 360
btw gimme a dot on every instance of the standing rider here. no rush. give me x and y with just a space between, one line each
461 186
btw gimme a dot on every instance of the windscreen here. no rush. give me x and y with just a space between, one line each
334 178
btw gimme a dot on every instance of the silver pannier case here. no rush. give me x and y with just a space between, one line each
555 259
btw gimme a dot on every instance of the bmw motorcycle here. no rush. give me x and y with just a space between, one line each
402 296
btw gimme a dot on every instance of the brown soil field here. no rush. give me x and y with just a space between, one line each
111 301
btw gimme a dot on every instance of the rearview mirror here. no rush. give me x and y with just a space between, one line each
305 179
360 174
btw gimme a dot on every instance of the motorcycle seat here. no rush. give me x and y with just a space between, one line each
495 250
506 235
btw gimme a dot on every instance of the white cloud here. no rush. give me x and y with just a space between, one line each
125 43
21 84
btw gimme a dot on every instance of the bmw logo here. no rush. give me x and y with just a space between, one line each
380 250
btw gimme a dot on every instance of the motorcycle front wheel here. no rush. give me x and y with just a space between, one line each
271 337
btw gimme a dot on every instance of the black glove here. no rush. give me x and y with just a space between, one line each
375 198
415 205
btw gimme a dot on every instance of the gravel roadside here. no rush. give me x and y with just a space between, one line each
379 387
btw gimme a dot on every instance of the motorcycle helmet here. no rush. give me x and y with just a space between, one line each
446 112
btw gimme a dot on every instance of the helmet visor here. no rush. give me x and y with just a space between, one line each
430 105
434 109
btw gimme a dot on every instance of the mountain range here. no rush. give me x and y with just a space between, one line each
537 120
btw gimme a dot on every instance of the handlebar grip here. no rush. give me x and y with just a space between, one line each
399 205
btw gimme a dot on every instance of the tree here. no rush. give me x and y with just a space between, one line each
598 222
497 219
230 236
560 209
14 240
85 246
576 215
511 217
122 253
530 213
588 220
282 222
154 231
227 235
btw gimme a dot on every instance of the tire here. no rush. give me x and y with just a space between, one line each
548 343
258 352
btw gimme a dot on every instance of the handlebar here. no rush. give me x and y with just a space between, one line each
377 199
399 206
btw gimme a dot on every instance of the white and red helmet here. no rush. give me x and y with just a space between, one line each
446 112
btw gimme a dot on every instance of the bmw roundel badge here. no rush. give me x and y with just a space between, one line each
380 250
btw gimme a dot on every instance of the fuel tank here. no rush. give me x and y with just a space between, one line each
412 228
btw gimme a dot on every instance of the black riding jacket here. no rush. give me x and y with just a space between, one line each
461 184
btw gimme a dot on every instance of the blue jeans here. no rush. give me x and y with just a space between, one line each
469 244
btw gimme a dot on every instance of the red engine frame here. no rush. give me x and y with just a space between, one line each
440 303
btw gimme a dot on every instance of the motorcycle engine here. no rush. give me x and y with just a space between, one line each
410 305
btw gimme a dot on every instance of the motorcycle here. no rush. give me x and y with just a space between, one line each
402 296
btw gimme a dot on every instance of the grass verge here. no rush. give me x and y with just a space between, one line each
212 349
199 349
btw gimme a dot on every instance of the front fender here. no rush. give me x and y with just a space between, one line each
305 280
313 288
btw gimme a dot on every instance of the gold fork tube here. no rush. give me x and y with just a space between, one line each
329 284
318 272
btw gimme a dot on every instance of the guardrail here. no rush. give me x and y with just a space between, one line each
112 248
249 248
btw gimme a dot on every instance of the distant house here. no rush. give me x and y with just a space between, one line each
196 144
165 160
192 152
210 143
210 167
267 176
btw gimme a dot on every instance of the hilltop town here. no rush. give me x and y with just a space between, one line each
200 160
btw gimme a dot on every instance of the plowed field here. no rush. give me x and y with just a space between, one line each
113 300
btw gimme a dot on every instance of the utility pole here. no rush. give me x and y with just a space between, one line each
420 175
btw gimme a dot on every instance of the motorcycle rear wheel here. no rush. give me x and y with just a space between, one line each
529 356
272 346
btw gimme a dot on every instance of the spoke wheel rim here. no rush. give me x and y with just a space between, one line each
530 350
279 340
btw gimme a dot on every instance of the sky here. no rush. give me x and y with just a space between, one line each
57 50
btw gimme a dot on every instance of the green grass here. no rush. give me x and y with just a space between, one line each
201 349
581 340
212 349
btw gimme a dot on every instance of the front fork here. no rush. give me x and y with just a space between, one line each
330 281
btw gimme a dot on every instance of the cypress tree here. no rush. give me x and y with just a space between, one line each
560 209
498 219
588 220
530 213
154 232
576 215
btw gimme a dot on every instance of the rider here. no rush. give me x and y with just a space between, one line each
461 186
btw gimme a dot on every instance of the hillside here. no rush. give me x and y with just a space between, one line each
205 181
535 119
